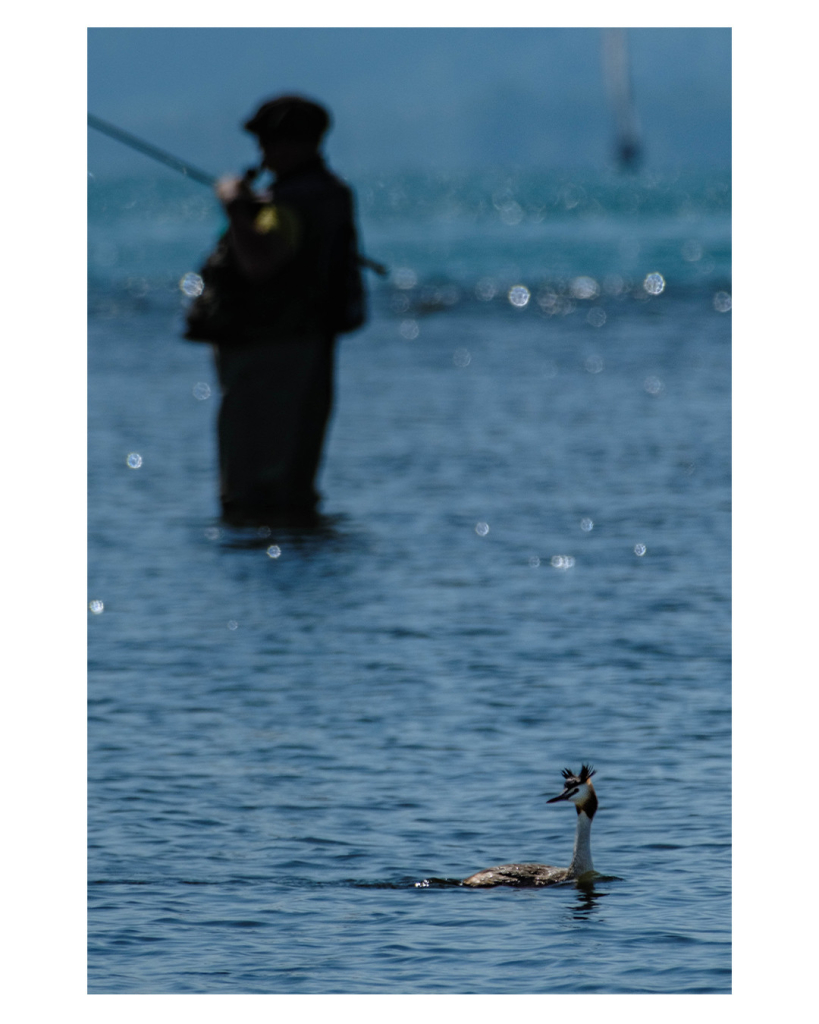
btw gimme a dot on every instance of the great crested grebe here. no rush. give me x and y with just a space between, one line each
579 790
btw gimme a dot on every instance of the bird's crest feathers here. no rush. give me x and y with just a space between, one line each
586 773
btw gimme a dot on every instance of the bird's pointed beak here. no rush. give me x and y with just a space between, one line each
554 800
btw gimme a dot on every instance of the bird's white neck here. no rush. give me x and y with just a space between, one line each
582 858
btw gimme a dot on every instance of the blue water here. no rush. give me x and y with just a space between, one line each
299 743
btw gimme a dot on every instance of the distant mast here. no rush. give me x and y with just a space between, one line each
628 149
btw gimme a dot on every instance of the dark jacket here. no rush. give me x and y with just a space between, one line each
317 291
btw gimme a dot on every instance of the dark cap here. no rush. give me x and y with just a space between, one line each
289 117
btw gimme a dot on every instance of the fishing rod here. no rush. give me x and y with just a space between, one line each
194 173
152 151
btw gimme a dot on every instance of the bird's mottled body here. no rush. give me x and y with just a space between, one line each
579 790
518 874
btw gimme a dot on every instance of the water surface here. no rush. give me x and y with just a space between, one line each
524 564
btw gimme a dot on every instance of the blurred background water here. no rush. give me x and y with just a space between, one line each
300 742
525 564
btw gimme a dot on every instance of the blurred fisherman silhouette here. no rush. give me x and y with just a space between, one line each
282 283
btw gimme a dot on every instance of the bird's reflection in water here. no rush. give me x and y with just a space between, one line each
587 900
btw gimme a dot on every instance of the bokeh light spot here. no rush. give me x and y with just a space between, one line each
519 295
192 285
134 460
562 562
511 212
654 284
461 357
409 329
594 364
404 278
613 284
547 300
201 391
596 317
97 607
584 288
481 529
